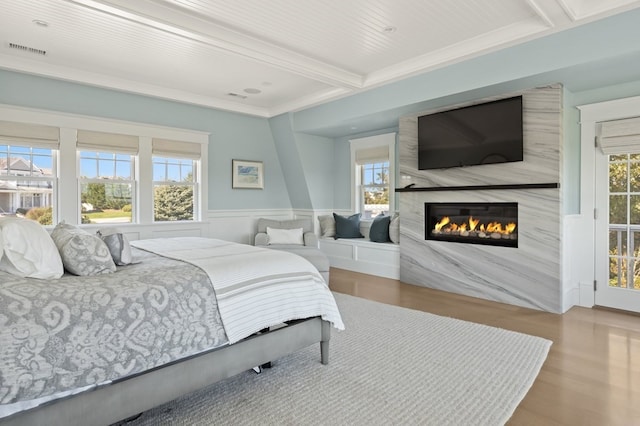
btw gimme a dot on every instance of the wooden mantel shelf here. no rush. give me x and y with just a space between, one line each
479 187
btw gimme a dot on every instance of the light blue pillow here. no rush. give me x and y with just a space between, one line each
347 227
379 231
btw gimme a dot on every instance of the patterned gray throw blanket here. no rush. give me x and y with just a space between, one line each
76 331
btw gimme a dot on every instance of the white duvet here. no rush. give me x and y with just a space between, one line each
255 287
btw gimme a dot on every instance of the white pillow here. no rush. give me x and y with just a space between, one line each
29 251
285 236
327 225
394 229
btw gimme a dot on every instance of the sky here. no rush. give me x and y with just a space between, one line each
97 165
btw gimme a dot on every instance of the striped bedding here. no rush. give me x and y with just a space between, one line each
255 287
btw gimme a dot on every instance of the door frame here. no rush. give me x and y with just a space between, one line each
590 115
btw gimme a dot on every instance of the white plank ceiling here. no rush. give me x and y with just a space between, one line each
267 57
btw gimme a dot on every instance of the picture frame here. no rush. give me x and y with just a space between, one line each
247 174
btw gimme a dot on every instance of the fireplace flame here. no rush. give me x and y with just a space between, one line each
446 226
445 220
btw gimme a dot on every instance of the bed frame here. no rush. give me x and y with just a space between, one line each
124 398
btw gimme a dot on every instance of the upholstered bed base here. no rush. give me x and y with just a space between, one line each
108 404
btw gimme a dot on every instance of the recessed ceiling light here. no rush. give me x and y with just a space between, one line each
40 23
389 29
252 91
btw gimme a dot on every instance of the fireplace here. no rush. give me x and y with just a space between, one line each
493 224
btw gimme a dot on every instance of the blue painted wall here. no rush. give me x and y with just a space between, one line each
288 152
317 161
232 135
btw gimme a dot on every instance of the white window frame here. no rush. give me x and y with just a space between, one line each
131 181
195 184
387 140
365 187
68 201
29 178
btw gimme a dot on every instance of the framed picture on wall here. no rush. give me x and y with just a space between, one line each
247 174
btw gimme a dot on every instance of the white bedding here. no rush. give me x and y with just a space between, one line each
255 287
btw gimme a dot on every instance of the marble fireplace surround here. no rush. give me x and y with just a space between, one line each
529 275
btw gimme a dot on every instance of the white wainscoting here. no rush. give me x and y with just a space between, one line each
361 255
157 230
240 225
232 225
573 264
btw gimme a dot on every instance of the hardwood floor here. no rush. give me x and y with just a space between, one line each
592 373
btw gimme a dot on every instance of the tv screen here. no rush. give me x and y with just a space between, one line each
485 133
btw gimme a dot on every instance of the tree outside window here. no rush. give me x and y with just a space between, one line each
106 187
174 189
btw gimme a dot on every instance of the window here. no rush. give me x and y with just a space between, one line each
28 155
107 187
27 178
374 189
87 170
106 176
174 189
373 174
175 180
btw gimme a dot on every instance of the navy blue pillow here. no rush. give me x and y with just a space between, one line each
379 231
347 227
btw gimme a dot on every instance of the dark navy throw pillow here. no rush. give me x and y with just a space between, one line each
347 227
379 231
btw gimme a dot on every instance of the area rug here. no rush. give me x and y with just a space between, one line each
391 366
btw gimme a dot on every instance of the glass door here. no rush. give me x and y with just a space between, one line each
617 263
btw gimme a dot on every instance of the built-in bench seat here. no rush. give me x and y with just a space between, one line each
363 255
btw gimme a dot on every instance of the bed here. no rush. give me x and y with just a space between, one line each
98 349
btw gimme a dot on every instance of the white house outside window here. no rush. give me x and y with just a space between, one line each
28 174
27 177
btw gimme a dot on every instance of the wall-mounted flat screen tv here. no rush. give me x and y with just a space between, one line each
485 133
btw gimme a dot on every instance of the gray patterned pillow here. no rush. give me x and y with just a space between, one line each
81 252
118 245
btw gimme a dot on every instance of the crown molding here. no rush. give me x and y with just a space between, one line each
196 28
73 75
